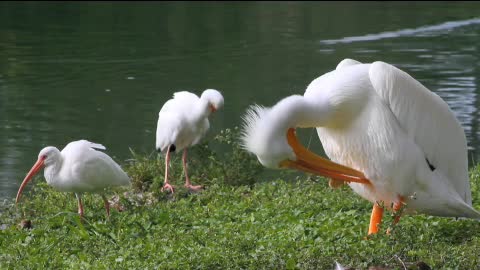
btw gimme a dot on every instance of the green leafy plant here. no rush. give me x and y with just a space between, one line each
274 224
233 166
240 167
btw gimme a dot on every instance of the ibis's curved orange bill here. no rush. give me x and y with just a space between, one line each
312 163
36 167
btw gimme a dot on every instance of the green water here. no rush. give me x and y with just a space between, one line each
101 71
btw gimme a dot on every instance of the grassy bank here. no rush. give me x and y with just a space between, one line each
235 223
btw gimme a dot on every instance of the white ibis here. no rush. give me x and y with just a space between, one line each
389 137
182 122
78 168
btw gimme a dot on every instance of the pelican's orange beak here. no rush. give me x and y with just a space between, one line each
312 163
36 167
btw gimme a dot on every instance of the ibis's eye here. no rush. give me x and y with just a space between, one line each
44 156
212 108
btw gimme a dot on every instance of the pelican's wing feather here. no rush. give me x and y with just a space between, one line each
428 120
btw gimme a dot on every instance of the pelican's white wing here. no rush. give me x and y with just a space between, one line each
90 170
428 120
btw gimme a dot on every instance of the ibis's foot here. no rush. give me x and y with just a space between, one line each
115 203
25 224
166 187
193 188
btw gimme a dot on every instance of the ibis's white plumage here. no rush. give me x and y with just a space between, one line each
183 120
81 168
78 168
376 119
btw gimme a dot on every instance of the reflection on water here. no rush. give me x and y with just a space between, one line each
101 71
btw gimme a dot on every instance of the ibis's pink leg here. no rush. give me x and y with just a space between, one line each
80 206
188 184
107 205
166 185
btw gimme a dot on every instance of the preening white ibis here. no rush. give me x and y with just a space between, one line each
182 122
389 137
78 168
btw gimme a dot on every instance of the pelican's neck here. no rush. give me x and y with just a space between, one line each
52 168
297 111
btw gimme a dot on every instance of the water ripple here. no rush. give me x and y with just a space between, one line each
404 32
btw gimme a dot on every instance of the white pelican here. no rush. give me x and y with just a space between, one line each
182 122
397 142
78 168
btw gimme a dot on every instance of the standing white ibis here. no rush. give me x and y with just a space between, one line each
389 137
78 168
182 122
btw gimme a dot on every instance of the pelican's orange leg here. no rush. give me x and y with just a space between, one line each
375 218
